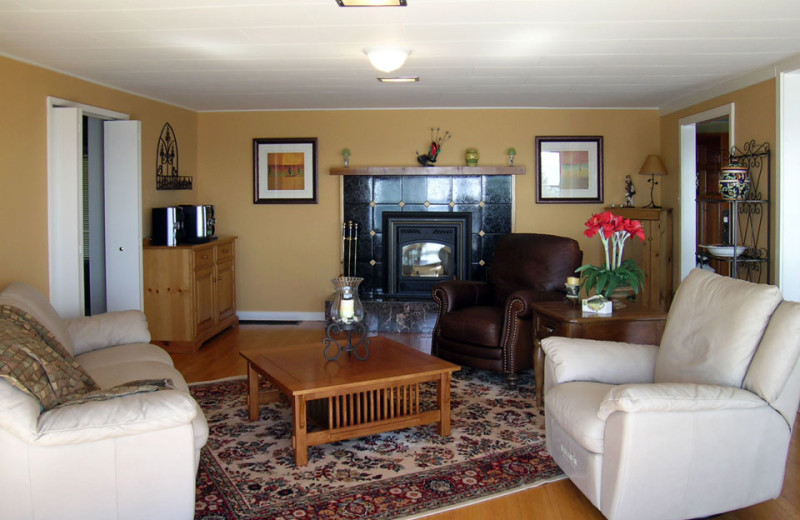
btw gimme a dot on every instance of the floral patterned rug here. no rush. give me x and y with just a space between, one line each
247 469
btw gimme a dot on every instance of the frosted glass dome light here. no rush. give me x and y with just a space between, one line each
387 60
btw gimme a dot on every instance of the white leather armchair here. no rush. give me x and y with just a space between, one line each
697 427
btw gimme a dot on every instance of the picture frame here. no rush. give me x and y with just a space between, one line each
285 170
569 169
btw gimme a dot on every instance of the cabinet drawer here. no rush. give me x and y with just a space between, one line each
224 251
204 257
546 328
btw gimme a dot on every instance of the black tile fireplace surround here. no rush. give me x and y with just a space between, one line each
488 198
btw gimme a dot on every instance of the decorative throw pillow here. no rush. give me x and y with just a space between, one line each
32 360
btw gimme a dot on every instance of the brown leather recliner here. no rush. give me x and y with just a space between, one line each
489 325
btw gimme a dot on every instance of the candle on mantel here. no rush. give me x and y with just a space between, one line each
572 280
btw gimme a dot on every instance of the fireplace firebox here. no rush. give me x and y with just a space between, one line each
424 248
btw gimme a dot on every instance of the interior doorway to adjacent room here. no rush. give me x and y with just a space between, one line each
100 150
713 220
709 122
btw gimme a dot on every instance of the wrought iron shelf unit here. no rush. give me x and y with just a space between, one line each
748 221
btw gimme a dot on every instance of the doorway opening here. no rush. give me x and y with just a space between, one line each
711 122
93 221
83 143
713 220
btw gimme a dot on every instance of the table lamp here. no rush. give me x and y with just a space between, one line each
652 166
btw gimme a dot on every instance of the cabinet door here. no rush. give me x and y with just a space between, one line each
204 303
226 290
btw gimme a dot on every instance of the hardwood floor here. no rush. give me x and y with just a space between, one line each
561 500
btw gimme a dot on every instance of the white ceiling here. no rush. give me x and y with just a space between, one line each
309 54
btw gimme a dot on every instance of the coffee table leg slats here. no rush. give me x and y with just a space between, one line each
369 406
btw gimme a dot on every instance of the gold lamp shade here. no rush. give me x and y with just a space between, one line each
653 166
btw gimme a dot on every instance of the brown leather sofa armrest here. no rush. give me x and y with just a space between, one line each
456 294
519 302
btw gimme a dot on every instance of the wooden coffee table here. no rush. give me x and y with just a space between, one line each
348 398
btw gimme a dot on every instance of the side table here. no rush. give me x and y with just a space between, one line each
634 323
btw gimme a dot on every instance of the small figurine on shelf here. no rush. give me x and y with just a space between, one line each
346 156
630 191
512 152
436 146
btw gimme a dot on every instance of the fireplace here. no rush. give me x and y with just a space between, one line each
367 197
424 248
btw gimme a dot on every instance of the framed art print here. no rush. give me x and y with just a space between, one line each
285 170
569 169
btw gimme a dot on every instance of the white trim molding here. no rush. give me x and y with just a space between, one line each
280 316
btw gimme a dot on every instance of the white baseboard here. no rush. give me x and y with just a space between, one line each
280 316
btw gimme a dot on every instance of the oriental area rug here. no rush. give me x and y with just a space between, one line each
247 469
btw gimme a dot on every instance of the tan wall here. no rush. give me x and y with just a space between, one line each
287 253
755 110
23 158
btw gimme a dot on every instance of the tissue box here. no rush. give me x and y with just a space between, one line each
596 305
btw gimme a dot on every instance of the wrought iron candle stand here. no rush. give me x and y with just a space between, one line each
347 315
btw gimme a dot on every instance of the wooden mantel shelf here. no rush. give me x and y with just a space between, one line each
429 170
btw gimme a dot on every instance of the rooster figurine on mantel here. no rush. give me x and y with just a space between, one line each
437 141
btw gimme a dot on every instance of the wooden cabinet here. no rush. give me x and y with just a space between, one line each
189 292
654 254
633 323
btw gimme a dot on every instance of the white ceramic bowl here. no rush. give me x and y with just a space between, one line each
725 251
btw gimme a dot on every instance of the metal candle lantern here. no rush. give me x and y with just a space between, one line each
347 315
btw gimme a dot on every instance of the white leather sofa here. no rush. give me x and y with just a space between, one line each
699 426
130 457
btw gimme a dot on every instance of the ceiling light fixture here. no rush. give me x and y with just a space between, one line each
387 60
371 3
400 79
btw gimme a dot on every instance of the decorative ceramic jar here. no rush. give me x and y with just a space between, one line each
734 182
471 157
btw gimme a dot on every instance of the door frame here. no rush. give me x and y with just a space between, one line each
787 174
688 180
65 237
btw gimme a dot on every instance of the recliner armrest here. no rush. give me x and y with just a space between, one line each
457 294
611 362
676 397
108 330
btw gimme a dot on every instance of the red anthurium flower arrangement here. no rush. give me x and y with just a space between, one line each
613 230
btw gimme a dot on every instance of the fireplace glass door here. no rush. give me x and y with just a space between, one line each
422 249
427 259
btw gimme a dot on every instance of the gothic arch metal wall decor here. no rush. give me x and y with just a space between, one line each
167 177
